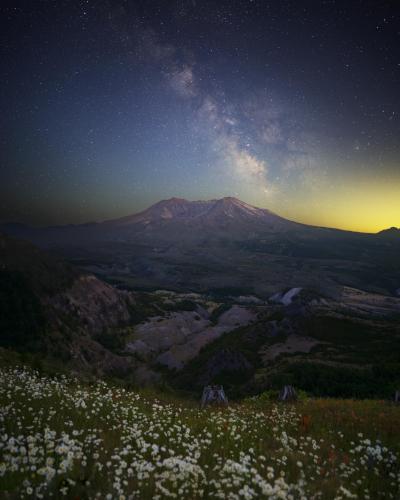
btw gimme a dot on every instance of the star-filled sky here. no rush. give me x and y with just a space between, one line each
110 106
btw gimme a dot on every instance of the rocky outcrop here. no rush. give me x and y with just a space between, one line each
85 311
89 356
73 309
95 305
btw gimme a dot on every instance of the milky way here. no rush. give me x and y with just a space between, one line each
111 106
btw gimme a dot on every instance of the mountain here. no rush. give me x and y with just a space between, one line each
181 219
164 210
165 220
204 212
223 246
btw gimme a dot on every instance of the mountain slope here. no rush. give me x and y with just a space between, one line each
209 215
165 220
50 307
224 245
174 208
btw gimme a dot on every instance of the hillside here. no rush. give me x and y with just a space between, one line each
162 219
113 442
344 345
51 308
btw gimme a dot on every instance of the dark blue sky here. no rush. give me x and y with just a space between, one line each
111 106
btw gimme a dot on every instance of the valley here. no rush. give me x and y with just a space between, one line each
192 293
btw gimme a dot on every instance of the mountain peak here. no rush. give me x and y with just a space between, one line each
232 207
208 211
172 200
230 199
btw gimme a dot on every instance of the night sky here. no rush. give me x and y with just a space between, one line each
108 107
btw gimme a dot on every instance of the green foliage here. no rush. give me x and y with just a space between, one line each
218 311
302 395
181 305
82 436
338 381
45 274
264 397
114 340
272 395
22 319
145 306
224 292
244 340
340 330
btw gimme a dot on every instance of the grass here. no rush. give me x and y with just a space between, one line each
62 438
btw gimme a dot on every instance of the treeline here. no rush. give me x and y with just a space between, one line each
22 319
379 381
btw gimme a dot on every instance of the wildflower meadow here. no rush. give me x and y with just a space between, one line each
63 438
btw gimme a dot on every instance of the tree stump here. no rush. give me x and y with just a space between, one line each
213 395
288 394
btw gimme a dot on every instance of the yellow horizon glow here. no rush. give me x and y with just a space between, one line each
367 207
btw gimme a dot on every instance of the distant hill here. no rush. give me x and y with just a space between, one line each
391 232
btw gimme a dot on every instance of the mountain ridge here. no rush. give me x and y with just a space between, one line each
166 220
184 209
181 210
